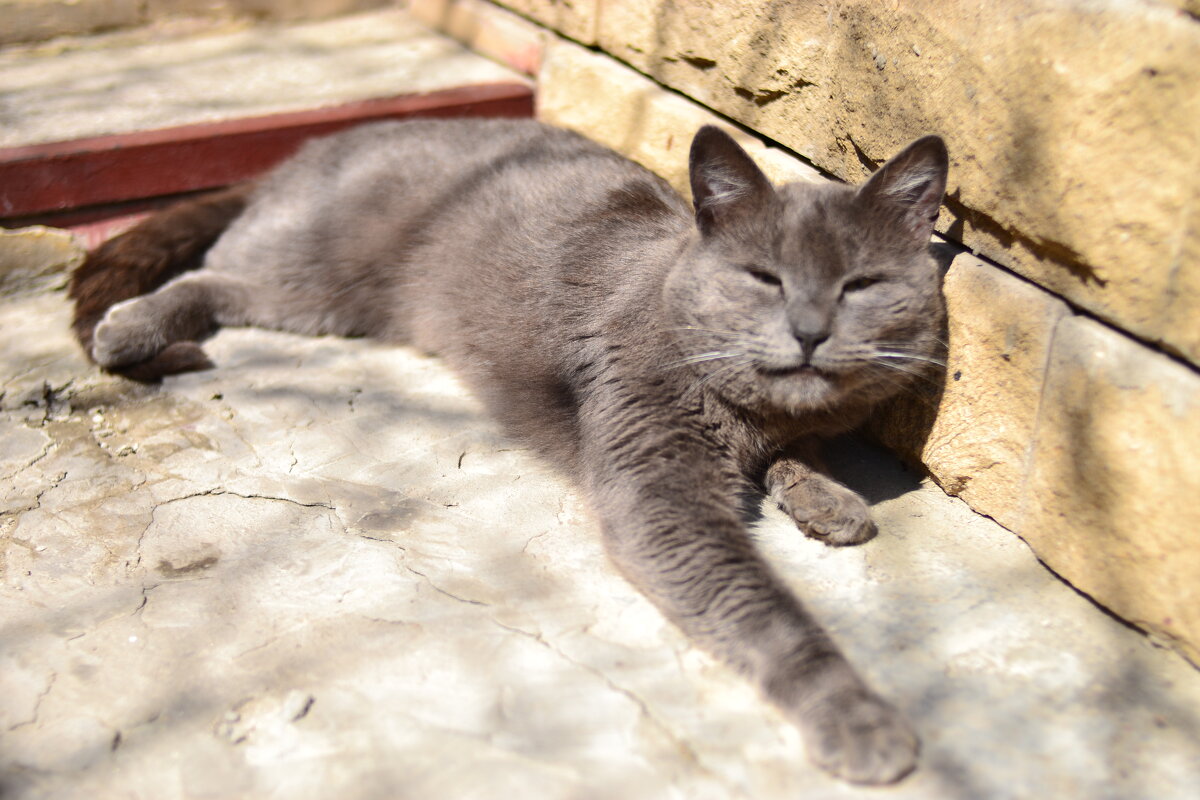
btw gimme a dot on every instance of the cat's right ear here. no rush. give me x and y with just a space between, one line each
913 183
728 188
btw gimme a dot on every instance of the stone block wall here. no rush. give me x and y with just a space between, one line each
1071 407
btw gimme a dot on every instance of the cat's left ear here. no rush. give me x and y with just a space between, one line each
912 182
728 188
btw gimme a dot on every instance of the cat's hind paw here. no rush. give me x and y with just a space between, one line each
128 333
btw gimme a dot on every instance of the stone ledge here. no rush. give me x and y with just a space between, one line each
31 258
66 175
487 29
37 20
578 19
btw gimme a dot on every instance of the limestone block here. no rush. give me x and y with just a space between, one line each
1111 500
577 19
28 256
976 437
1073 127
263 9
486 29
35 20
638 118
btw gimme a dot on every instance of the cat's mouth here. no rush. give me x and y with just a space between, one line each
790 370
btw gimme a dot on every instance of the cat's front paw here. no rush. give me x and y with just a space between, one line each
860 739
826 510
127 334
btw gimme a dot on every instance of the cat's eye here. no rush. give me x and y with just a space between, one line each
765 278
858 284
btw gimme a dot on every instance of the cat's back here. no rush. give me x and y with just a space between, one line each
377 191
411 164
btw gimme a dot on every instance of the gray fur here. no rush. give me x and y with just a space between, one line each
672 362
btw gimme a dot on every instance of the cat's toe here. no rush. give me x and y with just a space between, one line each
866 741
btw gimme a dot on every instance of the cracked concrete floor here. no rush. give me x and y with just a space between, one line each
317 572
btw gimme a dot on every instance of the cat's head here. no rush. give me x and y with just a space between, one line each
809 297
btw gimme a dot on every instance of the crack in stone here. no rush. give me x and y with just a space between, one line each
360 535
213 492
680 744
53 399
535 537
146 589
219 491
37 704
382 621
15 514
316 504
270 641
440 590
227 415
46 450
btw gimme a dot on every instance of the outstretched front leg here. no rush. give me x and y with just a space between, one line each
187 309
823 508
666 497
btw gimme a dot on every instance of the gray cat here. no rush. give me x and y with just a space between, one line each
674 361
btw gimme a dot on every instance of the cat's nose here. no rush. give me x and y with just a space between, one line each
810 327
808 341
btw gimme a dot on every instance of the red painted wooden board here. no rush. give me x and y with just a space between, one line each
111 169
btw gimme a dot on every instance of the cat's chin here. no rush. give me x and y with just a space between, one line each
799 388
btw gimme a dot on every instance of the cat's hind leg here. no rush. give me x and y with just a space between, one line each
185 310
822 508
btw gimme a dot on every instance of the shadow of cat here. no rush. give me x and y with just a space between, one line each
902 424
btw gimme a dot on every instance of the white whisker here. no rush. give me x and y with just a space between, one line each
735 365
912 372
910 356
700 329
700 358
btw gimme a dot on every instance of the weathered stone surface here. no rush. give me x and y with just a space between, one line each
577 19
487 29
977 440
638 118
30 257
1111 502
259 9
1074 128
317 571
139 81
37 20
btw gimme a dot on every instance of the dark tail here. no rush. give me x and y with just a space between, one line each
146 256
